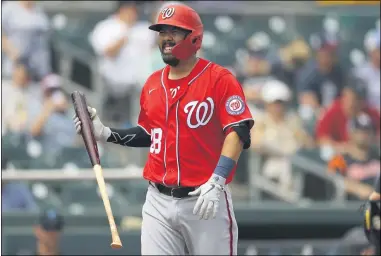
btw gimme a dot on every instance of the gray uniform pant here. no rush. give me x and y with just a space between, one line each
170 228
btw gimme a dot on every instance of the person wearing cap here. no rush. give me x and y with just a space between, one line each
265 64
123 46
370 71
291 59
278 133
361 165
48 231
320 81
48 119
195 120
254 75
332 128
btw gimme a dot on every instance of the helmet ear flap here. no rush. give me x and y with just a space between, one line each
195 39
186 48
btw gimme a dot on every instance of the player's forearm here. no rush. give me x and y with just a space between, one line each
131 137
232 147
231 150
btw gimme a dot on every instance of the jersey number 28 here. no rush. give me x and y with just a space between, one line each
156 136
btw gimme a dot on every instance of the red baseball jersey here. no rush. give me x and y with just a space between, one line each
188 121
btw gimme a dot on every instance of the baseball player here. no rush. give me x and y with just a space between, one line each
195 121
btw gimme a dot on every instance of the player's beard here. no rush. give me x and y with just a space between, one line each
168 58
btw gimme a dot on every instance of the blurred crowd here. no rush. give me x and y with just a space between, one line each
302 97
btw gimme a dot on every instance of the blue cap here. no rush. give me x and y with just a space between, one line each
51 220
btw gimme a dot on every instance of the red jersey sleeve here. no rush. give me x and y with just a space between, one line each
231 103
143 120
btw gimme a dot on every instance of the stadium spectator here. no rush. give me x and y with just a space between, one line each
25 35
278 133
15 97
333 127
48 120
370 72
361 164
123 45
291 59
14 195
48 232
321 79
253 74
262 66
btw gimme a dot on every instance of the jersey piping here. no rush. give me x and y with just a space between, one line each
177 125
166 122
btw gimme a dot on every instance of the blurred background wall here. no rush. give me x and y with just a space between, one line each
311 74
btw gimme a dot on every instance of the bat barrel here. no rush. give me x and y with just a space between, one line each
80 107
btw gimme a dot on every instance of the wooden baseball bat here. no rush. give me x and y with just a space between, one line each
80 106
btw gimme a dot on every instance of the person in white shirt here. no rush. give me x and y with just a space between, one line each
15 97
26 36
123 45
370 71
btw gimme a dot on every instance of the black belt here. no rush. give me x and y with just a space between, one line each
180 192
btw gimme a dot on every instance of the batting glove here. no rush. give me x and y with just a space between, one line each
208 202
101 132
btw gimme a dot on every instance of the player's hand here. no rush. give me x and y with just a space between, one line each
208 202
101 132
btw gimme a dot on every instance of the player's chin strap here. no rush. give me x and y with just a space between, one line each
371 211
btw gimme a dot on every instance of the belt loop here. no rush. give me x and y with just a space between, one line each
152 184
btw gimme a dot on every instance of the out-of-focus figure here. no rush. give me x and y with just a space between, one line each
278 133
48 117
292 58
123 45
360 165
262 66
25 35
15 97
320 81
255 75
370 72
48 232
15 196
333 128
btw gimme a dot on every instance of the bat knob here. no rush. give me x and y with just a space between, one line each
116 245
